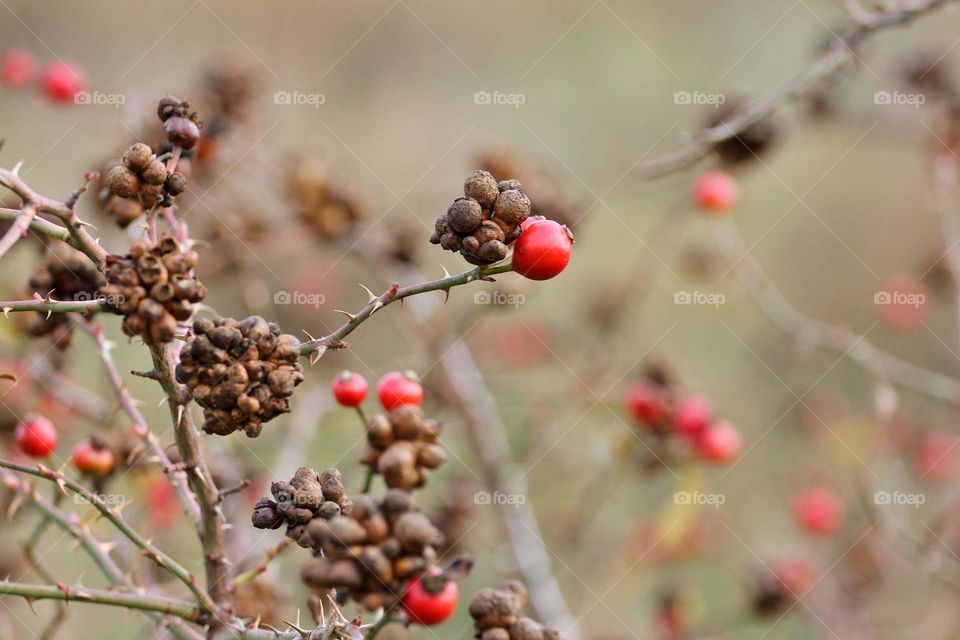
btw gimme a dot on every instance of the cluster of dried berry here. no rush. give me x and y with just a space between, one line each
482 224
153 287
402 446
65 274
327 205
370 552
497 615
307 496
242 372
141 177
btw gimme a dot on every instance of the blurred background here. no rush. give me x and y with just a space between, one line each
394 103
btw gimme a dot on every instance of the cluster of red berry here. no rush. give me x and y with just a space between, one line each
60 80
687 421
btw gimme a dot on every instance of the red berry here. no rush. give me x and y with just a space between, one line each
819 511
797 575
691 416
720 443
432 599
37 437
396 388
93 458
716 191
349 388
17 68
542 250
935 457
62 80
646 401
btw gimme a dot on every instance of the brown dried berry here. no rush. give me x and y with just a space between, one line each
464 215
482 187
176 183
138 157
512 206
123 182
155 173
182 132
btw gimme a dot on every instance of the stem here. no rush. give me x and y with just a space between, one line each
167 606
51 306
396 292
19 228
38 224
113 516
368 479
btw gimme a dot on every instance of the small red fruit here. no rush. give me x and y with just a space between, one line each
431 599
647 401
37 437
691 416
62 80
543 250
349 388
720 443
935 457
397 388
819 511
93 458
716 191
17 68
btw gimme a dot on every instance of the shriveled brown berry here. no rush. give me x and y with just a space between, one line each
155 173
506 185
492 251
182 132
495 633
487 231
464 215
151 194
176 183
123 182
168 106
526 629
138 157
471 245
512 206
482 187
450 241
407 421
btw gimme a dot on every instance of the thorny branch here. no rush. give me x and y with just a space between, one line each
166 606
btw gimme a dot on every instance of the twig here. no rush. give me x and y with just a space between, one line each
837 56
113 516
49 305
177 476
834 338
396 292
167 606
38 224
19 227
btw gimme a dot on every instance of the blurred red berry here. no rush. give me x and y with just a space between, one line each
691 416
93 459
720 443
646 401
62 80
431 599
397 388
36 437
349 388
935 457
716 191
819 511
543 250
797 575
17 68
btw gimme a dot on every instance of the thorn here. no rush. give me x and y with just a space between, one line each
351 316
316 355
16 168
6 312
446 295
308 335
369 293
446 274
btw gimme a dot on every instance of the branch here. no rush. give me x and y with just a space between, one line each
834 338
19 227
38 224
49 305
396 292
161 559
79 237
66 593
177 476
835 58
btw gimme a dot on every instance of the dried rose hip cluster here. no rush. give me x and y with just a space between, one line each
487 219
327 205
65 274
497 615
153 287
373 550
242 372
141 177
684 421
308 495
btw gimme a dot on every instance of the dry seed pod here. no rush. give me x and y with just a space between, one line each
241 372
402 446
497 615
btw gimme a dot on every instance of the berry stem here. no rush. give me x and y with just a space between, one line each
363 417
